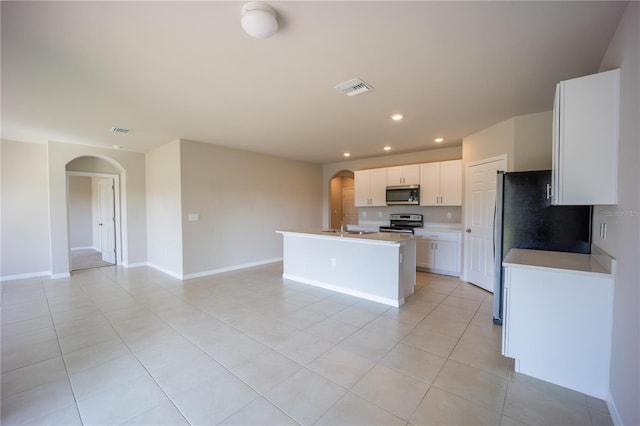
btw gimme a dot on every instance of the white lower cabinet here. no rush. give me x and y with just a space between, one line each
557 322
438 252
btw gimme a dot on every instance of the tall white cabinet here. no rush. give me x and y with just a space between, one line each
441 183
585 140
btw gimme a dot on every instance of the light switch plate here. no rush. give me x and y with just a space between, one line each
194 217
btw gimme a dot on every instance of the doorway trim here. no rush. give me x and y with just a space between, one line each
116 198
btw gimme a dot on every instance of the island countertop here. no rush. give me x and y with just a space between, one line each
352 236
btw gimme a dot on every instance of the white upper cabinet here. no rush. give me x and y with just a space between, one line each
585 140
441 183
403 175
370 187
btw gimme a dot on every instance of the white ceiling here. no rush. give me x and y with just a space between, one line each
167 70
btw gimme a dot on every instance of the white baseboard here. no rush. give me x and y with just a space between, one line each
350 292
61 275
135 265
229 268
25 276
84 248
613 411
165 271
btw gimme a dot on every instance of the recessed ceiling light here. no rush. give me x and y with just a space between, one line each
346 154
397 117
387 148
438 140
117 147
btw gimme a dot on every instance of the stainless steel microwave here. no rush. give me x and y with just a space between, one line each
403 194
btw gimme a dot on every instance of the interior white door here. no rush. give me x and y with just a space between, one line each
349 211
107 220
479 212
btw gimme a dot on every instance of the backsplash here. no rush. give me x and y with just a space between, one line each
378 215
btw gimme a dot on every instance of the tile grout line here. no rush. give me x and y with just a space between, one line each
64 362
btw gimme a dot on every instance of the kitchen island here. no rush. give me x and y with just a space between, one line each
380 267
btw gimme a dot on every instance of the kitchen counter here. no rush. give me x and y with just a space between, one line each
380 267
369 237
558 316
559 261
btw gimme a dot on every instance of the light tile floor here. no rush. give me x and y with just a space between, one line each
136 347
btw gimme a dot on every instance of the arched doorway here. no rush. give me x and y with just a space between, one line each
93 213
341 200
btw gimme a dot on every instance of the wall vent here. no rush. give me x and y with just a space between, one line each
354 87
120 130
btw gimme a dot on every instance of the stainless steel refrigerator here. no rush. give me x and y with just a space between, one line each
524 218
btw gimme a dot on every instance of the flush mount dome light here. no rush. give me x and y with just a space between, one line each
259 19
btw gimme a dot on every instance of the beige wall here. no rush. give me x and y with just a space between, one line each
242 198
24 210
488 143
623 222
533 141
80 212
525 139
164 214
382 213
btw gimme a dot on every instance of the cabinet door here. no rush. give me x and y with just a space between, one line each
429 250
395 176
429 184
378 187
361 188
451 183
411 174
586 152
446 256
424 254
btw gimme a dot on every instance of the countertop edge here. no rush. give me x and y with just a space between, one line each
390 238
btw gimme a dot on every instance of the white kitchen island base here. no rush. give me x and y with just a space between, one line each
376 267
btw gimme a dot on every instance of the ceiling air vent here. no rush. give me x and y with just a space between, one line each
120 130
354 87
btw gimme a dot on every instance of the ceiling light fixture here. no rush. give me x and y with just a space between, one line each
259 19
438 140
397 117
346 154
117 147
387 148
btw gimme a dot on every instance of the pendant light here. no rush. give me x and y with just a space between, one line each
259 19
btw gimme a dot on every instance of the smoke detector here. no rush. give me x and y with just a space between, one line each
354 87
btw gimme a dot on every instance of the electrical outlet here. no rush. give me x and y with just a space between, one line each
603 231
379 214
364 214
333 262
449 215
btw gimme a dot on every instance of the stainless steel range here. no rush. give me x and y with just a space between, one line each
403 223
